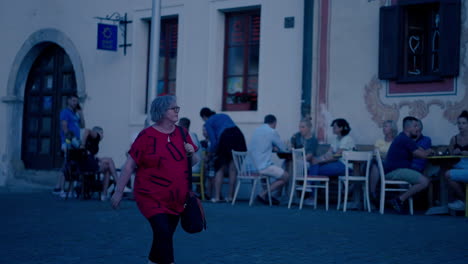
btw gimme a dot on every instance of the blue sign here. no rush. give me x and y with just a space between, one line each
107 37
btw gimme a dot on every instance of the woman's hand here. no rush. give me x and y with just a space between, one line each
189 149
315 160
116 198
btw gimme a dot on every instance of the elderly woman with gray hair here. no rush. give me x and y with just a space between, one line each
390 131
159 155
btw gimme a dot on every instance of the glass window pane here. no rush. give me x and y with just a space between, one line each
49 82
47 103
32 145
46 125
172 87
173 36
161 67
68 83
161 89
36 84
252 84
234 85
33 127
163 35
66 62
235 59
45 146
253 59
254 29
48 64
236 30
172 67
34 104
63 102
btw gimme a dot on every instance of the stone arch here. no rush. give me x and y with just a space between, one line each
17 78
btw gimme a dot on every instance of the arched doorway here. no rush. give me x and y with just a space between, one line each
50 80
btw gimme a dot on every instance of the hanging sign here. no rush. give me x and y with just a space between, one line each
107 37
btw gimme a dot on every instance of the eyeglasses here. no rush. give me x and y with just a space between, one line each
175 109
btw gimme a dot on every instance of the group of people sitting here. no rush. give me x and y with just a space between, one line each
404 155
74 137
405 159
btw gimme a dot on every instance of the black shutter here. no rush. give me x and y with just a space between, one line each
389 42
450 25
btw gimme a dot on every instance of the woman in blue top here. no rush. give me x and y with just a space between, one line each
224 136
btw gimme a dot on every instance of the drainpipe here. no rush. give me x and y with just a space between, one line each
307 58
153 54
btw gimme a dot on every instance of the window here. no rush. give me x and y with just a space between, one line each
241 60
167 57
419 40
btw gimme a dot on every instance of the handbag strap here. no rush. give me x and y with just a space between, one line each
189 160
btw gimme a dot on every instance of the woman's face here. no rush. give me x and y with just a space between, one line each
337 130
172 113
304 129
387 129
462 124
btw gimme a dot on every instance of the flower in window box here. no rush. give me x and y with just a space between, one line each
244 97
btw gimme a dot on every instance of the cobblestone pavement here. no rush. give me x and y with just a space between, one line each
37 227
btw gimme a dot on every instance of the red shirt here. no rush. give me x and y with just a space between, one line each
161 182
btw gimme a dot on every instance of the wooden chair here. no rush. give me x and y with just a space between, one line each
247 172
466 198
403 185
349 158
78 171
304 183
199 177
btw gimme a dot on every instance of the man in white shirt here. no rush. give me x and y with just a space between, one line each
264 141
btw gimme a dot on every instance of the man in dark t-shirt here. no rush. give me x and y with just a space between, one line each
399 159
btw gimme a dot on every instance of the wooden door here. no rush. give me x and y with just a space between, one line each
50 81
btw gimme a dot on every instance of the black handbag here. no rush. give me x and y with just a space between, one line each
192 218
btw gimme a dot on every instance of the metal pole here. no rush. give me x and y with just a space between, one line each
306 103
153 54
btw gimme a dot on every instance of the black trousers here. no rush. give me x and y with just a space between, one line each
164 226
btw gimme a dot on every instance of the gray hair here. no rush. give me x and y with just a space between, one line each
393 125
98 129
159 107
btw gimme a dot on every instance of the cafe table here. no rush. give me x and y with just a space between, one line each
445 162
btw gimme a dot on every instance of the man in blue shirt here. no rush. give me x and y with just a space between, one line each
264 141
400 158
71 120
224 136
423 142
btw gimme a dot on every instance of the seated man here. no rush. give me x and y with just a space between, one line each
91 139
399 159
265 139
423 142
